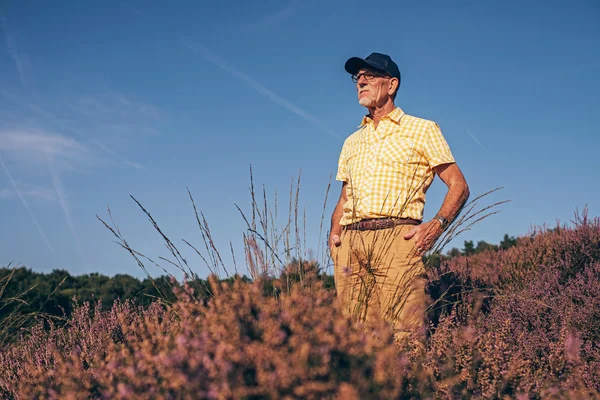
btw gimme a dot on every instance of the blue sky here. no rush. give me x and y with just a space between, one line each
103 100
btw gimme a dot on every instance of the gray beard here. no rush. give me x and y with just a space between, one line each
366 102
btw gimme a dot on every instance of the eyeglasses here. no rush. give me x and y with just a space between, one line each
369 76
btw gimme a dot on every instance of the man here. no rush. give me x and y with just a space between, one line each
378 235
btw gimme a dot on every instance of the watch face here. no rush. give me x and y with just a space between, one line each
442 220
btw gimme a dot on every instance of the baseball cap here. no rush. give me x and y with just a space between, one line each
378 61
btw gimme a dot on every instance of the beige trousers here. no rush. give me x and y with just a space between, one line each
377 273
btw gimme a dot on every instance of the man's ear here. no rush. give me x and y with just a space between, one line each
393 85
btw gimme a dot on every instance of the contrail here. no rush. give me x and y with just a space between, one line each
116 155
12 50
64 205
33 218
276 17
476 140
58 123
50 117
259 87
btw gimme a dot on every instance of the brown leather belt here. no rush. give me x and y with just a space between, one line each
373 224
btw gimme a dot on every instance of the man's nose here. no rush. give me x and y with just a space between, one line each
362 82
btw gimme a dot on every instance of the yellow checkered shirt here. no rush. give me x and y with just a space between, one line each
389 169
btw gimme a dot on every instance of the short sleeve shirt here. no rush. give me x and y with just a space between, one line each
389 168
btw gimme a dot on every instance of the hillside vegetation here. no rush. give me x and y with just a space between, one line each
519 321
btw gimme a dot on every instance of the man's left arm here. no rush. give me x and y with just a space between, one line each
456 197
458 191
436 151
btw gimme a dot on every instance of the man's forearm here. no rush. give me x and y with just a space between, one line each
455 200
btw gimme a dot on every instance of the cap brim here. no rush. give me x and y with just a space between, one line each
355 64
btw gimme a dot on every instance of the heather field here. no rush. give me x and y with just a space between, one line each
521 322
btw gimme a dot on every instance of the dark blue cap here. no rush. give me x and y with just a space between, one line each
377 61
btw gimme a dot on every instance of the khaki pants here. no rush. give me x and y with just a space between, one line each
377 273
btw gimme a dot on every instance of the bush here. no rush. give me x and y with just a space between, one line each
242 344
528 320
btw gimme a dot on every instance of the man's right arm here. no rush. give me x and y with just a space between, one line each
338 212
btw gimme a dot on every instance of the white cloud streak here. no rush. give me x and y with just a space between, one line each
276 17
68 128
114 105
64 126
18 192
12 50
34 192
37 143
259 87
62 200
476 140
117 156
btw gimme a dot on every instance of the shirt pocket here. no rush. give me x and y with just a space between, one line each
353 163
397 154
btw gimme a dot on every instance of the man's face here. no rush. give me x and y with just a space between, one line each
373 89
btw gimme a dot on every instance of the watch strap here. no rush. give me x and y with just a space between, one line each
443 221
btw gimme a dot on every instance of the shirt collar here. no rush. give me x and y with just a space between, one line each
394 116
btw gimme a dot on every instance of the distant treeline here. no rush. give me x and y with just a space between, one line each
470 248
53 293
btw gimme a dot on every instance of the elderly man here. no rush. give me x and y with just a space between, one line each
378 236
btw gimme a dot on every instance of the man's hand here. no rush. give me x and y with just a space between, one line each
334 241
425 235
336 228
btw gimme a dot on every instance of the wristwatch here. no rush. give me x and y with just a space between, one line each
443 221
